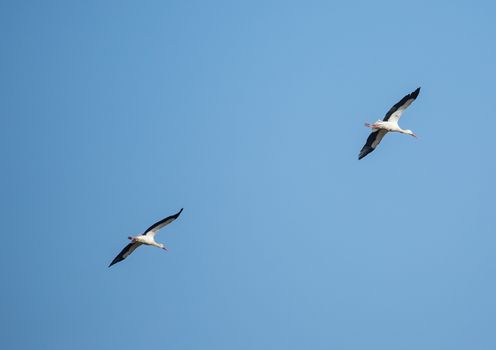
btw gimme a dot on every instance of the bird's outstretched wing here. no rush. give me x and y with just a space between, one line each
394 114
125 252
152 230
373 141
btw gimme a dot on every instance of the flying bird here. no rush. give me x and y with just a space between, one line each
389 123
148 238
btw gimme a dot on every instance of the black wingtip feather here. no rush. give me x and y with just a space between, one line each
415 93
365 150
175 216
118 258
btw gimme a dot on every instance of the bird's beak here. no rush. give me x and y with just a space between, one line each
164 248
414 135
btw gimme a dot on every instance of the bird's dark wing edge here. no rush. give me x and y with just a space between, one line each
125 252
372 142
163 222
393 109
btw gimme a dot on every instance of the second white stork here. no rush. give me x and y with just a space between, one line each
389 123
148 238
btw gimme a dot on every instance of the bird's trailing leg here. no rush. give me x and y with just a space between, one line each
372 126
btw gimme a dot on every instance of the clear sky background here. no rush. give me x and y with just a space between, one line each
249 114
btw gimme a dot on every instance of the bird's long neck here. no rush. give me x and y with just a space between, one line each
155 244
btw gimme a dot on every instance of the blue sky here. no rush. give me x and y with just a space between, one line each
249 115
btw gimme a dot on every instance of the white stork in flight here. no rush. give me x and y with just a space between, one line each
148 238
389 123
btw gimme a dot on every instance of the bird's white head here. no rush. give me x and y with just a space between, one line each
409 132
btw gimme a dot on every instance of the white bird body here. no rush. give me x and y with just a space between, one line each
389 124
147 238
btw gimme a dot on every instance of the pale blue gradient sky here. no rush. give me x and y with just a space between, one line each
250 115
